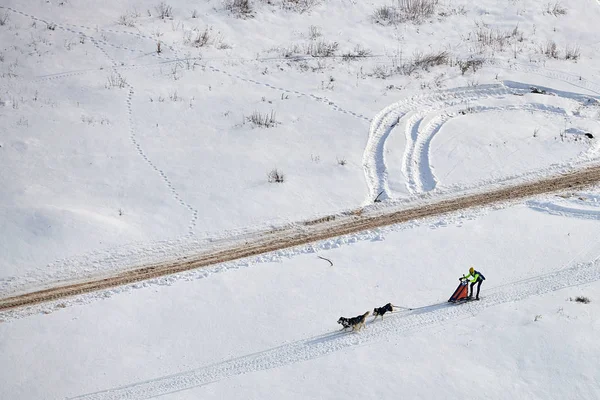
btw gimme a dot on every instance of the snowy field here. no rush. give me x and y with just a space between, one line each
133 133
269 331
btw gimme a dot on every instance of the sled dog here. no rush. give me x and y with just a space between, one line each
379 311
356 323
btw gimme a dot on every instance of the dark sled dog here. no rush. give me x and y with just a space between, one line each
379 311
356 323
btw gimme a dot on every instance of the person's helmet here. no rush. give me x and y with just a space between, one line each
471 270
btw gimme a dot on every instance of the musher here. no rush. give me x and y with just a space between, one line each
475 277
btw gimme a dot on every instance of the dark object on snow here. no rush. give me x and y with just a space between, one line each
377 198
537 91
460 293
326 259
589 135
582 299
379 311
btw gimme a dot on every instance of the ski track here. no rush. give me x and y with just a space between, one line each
416 165
397 325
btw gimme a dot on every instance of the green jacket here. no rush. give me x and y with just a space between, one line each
476 276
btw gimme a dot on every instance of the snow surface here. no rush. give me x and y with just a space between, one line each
114 156
279 329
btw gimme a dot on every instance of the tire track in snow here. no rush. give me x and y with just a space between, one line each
391 328
420 174
410 113
389 118
416 165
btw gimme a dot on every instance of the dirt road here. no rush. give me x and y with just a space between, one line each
311 231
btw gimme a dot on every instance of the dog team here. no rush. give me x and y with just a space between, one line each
358 322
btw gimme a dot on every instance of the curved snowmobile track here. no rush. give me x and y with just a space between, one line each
422 117
396 325
301 234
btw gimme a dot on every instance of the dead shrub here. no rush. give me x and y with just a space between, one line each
496 39
550 49
555 9
321 48
385 15
572 53
427 61
126 20
423 62
202 38
275 176
382 72
300 6
406 10
164 10
472 63
358 52
4 17
416 10
266 120
314 32
239 8
116 80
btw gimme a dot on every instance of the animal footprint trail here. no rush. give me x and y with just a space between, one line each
77 29
69 28
138 147
334 106
174 193
131 92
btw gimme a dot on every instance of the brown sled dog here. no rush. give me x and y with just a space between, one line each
356 323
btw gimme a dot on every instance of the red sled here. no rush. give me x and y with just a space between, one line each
460 293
